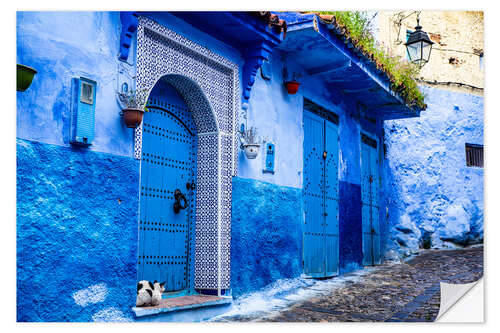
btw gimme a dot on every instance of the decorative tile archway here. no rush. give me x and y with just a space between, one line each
209 84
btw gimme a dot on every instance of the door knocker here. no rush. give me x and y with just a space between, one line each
178 196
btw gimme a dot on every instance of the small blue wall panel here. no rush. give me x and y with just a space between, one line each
266 236
370 185
83 117
168 165
270 154
321 186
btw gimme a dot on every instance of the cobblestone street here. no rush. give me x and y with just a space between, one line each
392 292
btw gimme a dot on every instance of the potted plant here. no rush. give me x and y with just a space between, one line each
248 140
132 108
25 76
292 86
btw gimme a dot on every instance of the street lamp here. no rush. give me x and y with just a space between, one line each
419 46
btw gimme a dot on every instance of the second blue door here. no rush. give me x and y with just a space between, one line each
370 181
168 190
320 191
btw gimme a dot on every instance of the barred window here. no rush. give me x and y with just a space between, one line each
474 155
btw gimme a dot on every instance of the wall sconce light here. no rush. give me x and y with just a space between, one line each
419 45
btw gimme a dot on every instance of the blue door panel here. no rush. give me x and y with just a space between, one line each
331 190
365 215
313 201
370 188
320 183
168 163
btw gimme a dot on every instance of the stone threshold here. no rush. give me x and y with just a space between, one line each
173 304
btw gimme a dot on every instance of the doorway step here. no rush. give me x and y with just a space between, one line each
195 307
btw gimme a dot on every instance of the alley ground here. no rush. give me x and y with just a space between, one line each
391 292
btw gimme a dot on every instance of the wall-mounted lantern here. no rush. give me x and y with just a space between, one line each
419 45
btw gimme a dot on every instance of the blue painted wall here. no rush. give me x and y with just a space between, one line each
76 233
266 234
425 168
433 194
61 46
278 118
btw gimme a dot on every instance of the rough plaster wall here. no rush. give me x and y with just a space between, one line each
266 234
61 46
278 119
432 194
76 234
457 34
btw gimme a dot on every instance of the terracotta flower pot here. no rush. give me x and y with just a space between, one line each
132 117
25 76
292 87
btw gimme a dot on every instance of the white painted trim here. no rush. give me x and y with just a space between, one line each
208 133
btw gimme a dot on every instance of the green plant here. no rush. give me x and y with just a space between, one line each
249 136
132 99
401 73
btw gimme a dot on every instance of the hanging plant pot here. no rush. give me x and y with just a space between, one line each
292 87
132 117
251 150
25 76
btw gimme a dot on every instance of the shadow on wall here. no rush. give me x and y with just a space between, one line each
435 199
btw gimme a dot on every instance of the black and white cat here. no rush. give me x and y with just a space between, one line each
144 293
149 293
157 290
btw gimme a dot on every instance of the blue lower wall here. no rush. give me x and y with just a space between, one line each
266 234
76 234
350 227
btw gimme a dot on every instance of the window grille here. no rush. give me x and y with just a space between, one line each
474 155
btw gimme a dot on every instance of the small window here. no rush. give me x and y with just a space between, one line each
87 93
474 155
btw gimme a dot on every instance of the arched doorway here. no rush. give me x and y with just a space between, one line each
209 86
168 189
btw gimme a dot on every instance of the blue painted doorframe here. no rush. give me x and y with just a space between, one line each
370 187
321 186
168 165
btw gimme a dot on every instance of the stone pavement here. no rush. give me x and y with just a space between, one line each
393 292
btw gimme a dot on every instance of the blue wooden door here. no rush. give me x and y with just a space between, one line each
320 192
370 187
168 164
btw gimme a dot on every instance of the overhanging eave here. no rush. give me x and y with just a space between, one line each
326 55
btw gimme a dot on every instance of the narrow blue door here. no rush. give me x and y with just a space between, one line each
168 169
320 192
370 186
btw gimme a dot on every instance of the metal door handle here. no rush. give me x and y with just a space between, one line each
178 196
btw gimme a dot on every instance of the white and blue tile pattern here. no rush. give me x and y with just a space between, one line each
209 85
